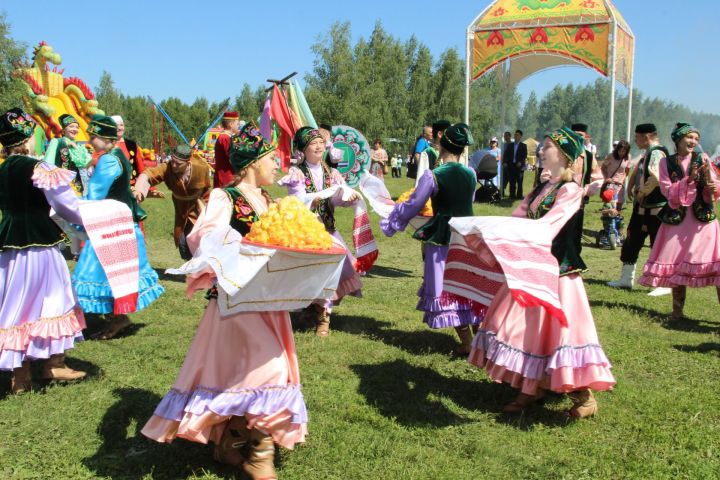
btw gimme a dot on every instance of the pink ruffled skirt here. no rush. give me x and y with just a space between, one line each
685 254
39 314
528 349
242 365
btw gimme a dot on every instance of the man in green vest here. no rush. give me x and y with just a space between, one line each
429 157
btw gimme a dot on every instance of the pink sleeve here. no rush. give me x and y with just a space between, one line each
568 202
521 210
216 214
679 194
714 177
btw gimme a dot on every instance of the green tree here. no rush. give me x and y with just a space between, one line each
528 122
11 52
108 97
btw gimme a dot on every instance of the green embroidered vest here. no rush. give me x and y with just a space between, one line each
120 189
26 218
63 159
564 245
432 155
454 198
655 198
324 208
703 211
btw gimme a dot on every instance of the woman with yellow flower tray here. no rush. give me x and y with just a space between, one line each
239 386
310 176
450 188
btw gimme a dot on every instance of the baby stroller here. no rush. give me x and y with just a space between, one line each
609 236
486 171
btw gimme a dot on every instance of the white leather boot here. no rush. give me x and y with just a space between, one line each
627 277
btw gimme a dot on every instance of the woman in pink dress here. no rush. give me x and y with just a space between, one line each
239 386
379 159
614 170
527 347
686 252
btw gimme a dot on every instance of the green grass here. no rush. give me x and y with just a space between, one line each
385 399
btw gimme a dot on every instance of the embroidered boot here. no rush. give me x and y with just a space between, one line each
231 449
55 369
322 322
627 277
678 303
584 404
21 381
261 458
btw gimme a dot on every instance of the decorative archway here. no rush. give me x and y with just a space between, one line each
518 38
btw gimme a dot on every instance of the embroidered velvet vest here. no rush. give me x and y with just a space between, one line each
455 188
243 214
25 211
655 198
324 209
564 245
703 211
120 188
432 155
63 159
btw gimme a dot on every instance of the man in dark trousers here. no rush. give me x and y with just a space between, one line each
514 162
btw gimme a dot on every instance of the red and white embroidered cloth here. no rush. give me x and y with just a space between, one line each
485 252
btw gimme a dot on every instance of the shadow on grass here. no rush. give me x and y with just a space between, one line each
708 347
417 342
126 453
96 323
684 325
416 397
413 396
388 272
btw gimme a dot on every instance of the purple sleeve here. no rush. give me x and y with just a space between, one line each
65 203
404 212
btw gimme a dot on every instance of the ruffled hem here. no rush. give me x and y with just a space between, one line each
196 416
568 368
40 338
459 318
265 400
695 275
97 297
49 177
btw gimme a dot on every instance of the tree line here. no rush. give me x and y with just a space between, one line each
389 88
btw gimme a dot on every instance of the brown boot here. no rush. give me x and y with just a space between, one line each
584 404
55 369
678 303
117 324
322 322
260 462
21 381
231 449
523 401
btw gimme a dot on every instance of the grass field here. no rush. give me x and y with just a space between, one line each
384 396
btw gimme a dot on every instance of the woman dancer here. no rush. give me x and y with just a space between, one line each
310 176
239 386
39 314
614 170
525 346
686 252
111 179
451 188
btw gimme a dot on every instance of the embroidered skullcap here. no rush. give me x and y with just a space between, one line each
646 128
681 129
67 119
304 136
456 138
248 146
579 127
570 143
102 126
16 126
229 115
117 119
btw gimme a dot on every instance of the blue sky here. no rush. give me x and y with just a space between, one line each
188 49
